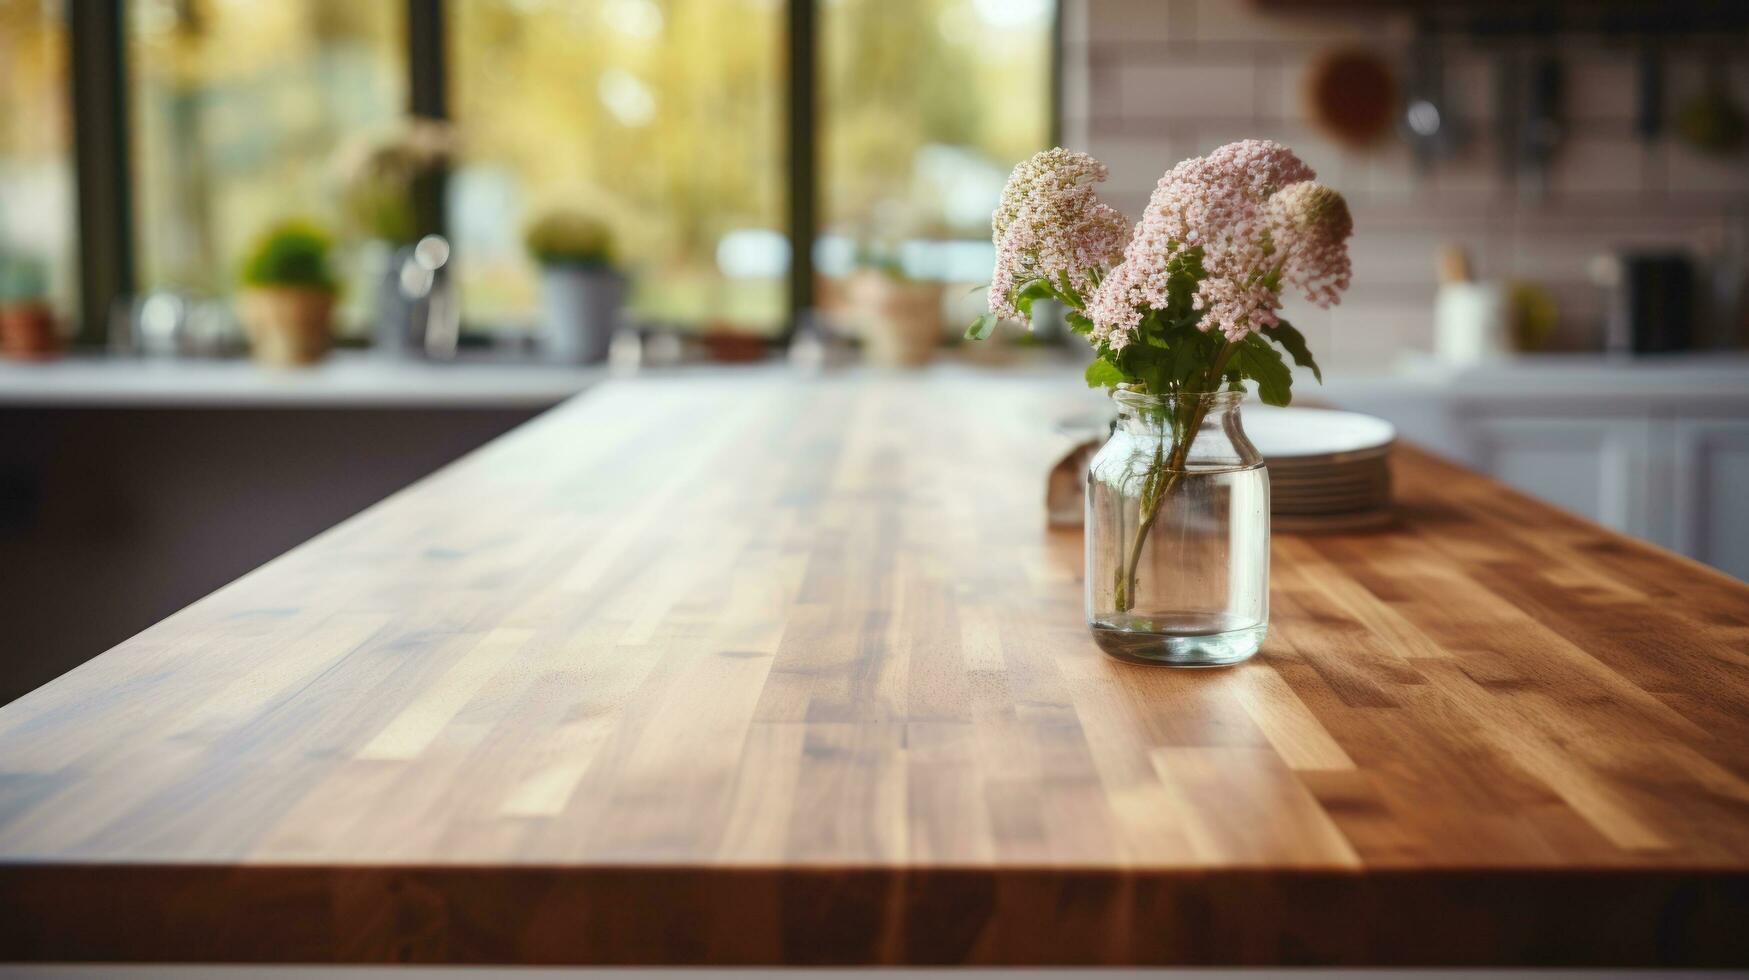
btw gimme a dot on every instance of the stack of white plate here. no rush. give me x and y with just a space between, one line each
1328 470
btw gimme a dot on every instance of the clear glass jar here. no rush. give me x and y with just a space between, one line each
1178 533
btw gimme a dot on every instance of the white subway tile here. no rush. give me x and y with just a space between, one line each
1289 99
1689 172
1369 337
1136 164
1320 154
1269 103
1129 20
1556 260
1103 79
1395 257
1183 89
1468 86
1474 175
1201 137
1598 165
1383 174
1602 87
1241 20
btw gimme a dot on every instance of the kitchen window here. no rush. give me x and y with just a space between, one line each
674 117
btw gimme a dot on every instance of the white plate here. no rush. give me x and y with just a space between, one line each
1290 433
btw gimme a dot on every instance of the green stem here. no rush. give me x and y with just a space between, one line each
1153 494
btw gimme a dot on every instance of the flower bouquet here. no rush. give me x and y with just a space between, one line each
1181 314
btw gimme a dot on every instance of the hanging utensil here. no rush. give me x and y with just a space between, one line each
1508 110
1428 122
1543 128
1649 92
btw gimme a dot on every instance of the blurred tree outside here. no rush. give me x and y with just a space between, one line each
927 106
239 109
37 217
665 117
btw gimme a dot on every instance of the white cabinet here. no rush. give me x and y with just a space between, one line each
1675 480
1595 467
1656 448
1710 499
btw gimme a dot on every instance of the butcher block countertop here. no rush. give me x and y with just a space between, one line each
761 669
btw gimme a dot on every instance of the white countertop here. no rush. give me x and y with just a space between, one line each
359 379
347 379
1693 376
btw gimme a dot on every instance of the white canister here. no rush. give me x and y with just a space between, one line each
1470 323
580 308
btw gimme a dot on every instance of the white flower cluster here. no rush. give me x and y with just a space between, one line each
1051 225
1252 209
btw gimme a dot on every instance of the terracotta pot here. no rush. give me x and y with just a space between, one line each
729 346
27 330
288 326
900 321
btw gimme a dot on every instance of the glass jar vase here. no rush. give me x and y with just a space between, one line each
1178 533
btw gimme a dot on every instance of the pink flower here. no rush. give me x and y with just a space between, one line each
1309 225
1227 205
1051 225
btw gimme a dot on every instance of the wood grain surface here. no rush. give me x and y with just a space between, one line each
755 669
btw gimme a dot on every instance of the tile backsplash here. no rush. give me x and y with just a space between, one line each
1149 82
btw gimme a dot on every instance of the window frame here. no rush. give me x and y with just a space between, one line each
103 150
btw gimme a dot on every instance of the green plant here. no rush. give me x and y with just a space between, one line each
23 278
378 175
570 237
379 205
292 254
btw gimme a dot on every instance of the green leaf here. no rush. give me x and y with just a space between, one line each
981 327
1190 261
1151 329
1150 365
1261 363
1101 373
1080 323
1036 289
1183 272
1192 354
1294 342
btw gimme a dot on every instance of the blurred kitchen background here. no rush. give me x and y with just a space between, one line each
263 262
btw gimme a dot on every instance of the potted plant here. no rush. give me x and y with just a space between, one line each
27 325
581 292
287 304
898 318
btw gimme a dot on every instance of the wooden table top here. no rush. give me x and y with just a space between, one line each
757 669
